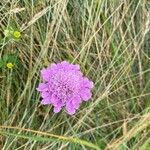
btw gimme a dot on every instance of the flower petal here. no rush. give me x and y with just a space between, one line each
76 101
46 101
55 101
45 74
86 94
70 109
45 94
42 87
57 109
87 83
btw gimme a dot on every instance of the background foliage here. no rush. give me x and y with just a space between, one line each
110 39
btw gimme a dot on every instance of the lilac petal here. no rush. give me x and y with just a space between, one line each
87 83
70 109
86 94
57 104
42 87
52 69
45 94
76 105
45 74
77 67
53 65
55 101
64 63
57 109
91 85
74 67
46 101
76 101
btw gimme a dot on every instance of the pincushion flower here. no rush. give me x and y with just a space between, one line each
64 86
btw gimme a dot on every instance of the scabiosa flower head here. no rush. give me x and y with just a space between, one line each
64 86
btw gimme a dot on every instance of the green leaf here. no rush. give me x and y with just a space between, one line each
5 58
1 63
10 58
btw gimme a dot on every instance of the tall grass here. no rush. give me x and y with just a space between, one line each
110 40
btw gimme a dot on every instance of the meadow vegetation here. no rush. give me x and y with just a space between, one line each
109 39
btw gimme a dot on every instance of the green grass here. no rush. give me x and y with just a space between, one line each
109 39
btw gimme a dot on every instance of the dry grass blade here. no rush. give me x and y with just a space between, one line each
62 138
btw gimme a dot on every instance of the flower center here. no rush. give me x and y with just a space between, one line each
61 87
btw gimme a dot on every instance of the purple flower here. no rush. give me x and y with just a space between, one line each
64 86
